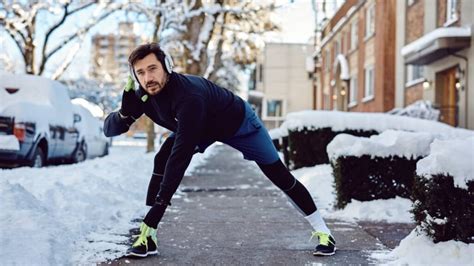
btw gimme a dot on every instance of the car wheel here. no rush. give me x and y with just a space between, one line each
80 154
38 158
106 150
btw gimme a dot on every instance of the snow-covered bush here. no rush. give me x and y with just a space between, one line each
310 132
443 192
379 167
308 146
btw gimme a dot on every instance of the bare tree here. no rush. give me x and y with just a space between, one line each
206 38
19 19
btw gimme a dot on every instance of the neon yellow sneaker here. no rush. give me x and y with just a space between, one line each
145 244
326 246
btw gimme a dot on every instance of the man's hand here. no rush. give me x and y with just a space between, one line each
130 102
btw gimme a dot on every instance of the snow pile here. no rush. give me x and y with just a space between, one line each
75 214
9 142
340 121
410 145
420 250
320 183
450 157
395 210
419 109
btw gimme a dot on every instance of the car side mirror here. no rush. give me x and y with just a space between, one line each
77 118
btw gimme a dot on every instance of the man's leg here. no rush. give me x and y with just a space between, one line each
302 200
253 140
296 192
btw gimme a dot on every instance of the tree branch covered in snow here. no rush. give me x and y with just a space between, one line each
19 19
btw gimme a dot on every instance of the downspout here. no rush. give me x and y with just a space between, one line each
466 77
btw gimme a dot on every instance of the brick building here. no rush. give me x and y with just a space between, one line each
355 69
435 51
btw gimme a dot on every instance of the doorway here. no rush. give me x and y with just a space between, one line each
446 96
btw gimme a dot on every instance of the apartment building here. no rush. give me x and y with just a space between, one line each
110 53
281 82
355 61
435 57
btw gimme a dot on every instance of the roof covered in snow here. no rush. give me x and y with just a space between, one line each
438 33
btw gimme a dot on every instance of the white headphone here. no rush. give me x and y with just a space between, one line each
168 63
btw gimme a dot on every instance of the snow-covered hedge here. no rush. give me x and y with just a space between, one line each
310 132
341 121
443 192
380 167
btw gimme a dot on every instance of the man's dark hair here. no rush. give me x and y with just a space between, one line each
145 49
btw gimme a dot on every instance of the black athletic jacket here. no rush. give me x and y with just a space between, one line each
193 107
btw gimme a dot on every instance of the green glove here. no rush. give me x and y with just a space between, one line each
131 105
130 84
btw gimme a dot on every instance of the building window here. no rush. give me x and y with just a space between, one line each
353 91
369 83
370 21
338 47
414 75
451 11
274 108
260 73
354 35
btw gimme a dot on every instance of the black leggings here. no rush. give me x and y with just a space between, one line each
276 172
284 180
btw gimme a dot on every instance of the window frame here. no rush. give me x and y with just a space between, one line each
370 21
265 108
354 35
369 85
451 12
353 89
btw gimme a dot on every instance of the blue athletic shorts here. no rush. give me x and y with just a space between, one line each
253 140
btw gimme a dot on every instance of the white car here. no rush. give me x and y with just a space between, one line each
37 122
91 135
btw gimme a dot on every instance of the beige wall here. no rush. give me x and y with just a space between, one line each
285 77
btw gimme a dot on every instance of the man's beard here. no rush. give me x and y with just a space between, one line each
160 85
